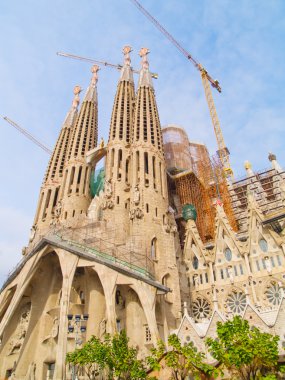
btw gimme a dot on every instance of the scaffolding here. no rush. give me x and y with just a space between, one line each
265 186
197 179
103 245
191 190
204 188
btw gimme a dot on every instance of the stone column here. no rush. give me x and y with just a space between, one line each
147 296
68 263
108 280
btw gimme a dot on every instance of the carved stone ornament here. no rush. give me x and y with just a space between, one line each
139 213
136 195
32 233
102 328
110 204
21 330
196 280
132 214
108 189
102 143
136 213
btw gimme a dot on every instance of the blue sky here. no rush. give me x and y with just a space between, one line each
241 43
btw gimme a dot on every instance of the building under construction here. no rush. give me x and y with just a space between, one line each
196 179
165 241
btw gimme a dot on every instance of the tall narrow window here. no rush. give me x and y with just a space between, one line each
118 325
71 179
120 158
257 265
153 172
112 162
55 197
137 165
127 170
153 249
146 162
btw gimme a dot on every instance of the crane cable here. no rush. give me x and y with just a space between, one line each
198 66
27 134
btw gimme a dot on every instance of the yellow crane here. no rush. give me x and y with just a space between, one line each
223 151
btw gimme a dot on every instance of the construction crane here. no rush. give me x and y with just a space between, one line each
103 63
223 151
27 134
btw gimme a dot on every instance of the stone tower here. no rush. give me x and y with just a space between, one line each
118 150
75 193
152 222
52 184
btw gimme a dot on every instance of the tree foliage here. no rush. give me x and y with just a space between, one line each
111 358
183 360
246 352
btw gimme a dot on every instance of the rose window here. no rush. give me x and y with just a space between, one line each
201 309
236 302
273 294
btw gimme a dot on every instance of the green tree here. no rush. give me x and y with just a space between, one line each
111 358
246 352
183 360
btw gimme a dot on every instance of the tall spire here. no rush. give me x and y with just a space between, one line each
146 121
74 193
85 133
57 161
122 115
52 183
118 148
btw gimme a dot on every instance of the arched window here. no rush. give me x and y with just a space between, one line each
228 254
153 248
263 245
195 262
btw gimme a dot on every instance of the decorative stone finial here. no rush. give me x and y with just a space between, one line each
91 93
249 171
143 54
274 163
145 75
94 70
247 165
126 71
76 99
271 157
126 50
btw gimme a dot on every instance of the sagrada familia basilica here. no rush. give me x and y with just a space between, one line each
157 241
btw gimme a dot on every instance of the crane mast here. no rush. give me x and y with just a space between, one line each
223 151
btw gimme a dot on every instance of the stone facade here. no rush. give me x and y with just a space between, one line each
123 259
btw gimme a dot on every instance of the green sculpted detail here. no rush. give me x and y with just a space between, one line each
189 212
97 182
